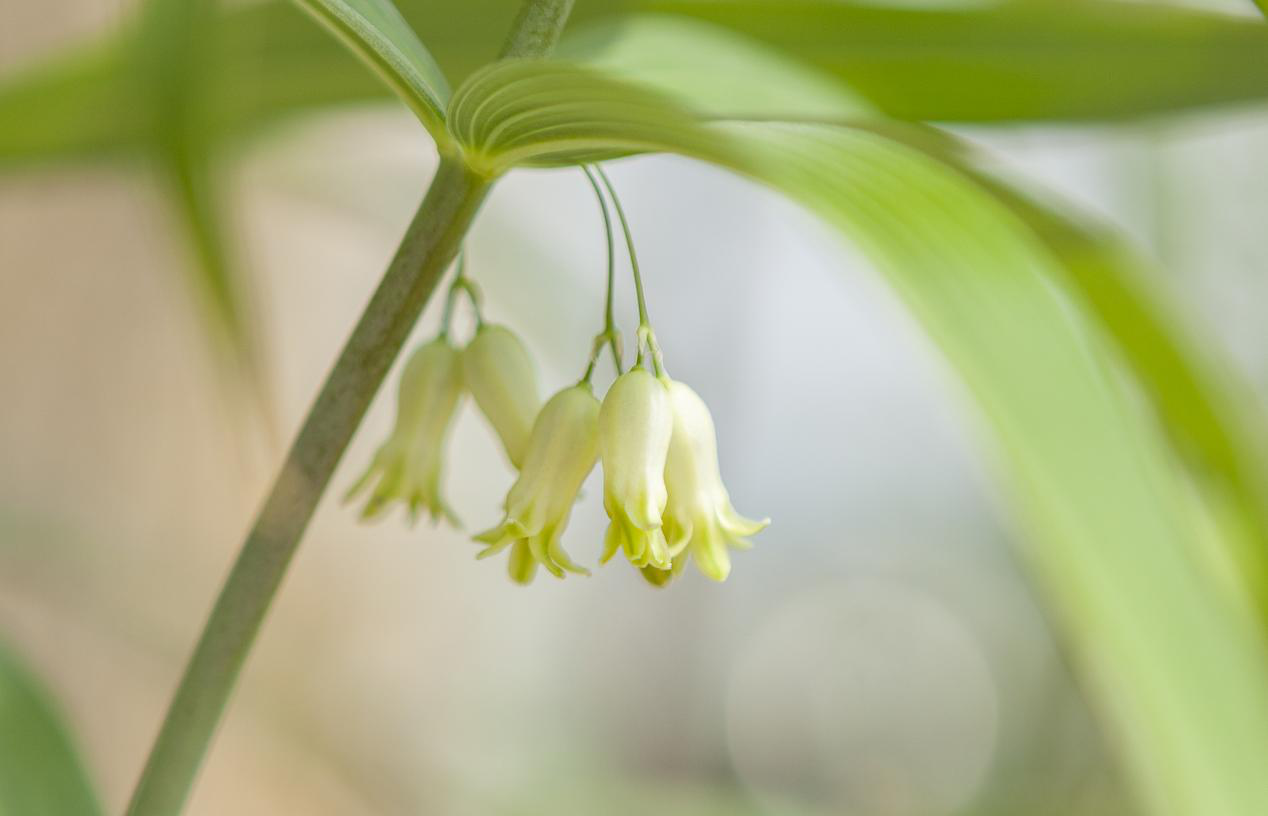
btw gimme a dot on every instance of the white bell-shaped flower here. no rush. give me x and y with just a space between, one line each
499 374
699 519
634 429
407 467
561 452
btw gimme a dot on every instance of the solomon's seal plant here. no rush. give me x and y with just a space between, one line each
1025 302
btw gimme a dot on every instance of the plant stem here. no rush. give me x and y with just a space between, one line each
609 334
461 285
427 249
537 28
629 243
429 245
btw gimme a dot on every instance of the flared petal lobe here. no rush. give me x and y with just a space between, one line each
635 425
562 450
407 467
499 374
699 519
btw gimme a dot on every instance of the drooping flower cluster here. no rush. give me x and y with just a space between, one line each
662 488
655 438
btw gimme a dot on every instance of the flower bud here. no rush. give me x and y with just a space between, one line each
634 429
561 452
407 466
499 374
699 518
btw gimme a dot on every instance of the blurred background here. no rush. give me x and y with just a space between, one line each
879 653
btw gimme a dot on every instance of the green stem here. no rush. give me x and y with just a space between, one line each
429 245
609 336
427 249
537 28
461 285
629 243
646 338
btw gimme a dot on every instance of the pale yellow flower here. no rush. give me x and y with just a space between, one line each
499 374
561 452
635 424
699 519
407 467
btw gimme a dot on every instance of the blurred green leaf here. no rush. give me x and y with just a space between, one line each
1028 59
1196 396
714 70
171 62
267 61
77 105
1178 671
40 772
1014 60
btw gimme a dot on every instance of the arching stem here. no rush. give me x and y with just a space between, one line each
646 337
429 246
609 336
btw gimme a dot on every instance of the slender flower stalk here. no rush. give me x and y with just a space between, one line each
646 337
461 285
610 335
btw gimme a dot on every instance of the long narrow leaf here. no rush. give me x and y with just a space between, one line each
1196 405
1013 60
1195 396
1179 672
714 70
170 65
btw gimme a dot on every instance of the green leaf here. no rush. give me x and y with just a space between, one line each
257 62
170 64
1196 395
264 62
1196 402
1178 671
506 115
376 32
1007 61
40 772
79 105
713 70
1073 59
